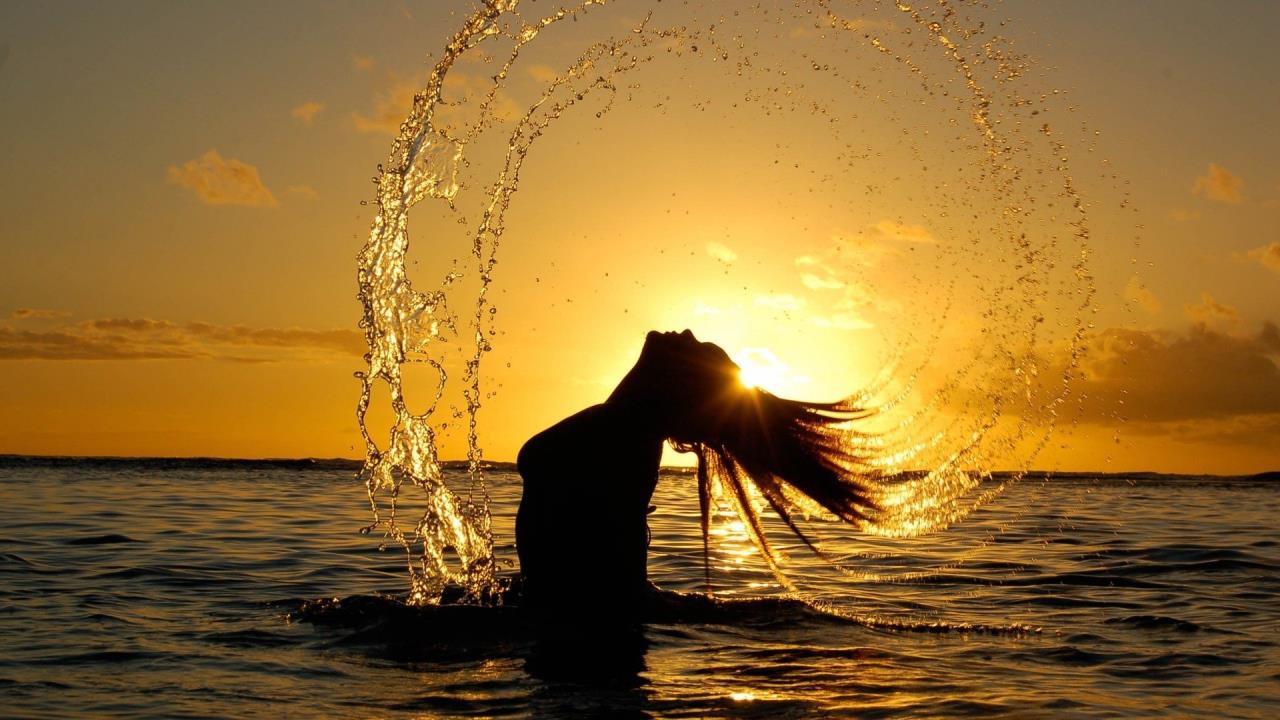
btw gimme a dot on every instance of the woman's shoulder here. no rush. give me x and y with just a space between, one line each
551 443
603 428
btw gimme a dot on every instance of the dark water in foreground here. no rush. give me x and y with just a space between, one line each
156 589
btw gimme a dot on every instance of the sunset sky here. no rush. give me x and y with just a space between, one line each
181 208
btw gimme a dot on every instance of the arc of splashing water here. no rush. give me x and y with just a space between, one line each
400 321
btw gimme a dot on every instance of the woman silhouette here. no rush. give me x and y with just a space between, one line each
581 531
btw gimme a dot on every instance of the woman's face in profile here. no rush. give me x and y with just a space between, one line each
696 383
685 345
686 361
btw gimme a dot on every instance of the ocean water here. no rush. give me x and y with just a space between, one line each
186 589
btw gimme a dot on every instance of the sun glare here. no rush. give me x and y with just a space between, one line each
760 368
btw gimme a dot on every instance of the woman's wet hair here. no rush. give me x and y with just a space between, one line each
799 456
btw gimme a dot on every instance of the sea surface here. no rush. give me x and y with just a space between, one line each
187 588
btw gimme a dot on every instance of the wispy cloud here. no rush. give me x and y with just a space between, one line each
218 181
816 282
303 191
870 246
541 73
703 308
1267 255
37 314
460 95
843 320
832 21
461 91
307 111
782 302
1137 292
363 62
390 107
848 302
147 339
1211 313
902 232
721 252
1219 184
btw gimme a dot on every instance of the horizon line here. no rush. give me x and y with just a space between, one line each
512 463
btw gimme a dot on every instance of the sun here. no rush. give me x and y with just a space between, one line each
760 368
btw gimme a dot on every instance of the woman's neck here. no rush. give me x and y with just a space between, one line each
643 398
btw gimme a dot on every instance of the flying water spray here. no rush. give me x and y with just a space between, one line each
966 238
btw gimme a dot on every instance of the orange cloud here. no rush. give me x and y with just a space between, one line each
902 232
1160 376
303 191
147 339
1136 292
37 314
721 252
1267 255
702 308
541 73
1209 312
460 96
1220 185
1259 429
854 301
362 62
817 282
222 182
782 302
461 91
307 111
390 108
843 320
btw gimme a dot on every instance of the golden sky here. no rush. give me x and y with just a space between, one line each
181 207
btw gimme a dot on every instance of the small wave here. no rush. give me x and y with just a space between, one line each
1173 559
1072 655
165 575
1175 665
390 628
249 638
40 685
100 657
800 655
383 620
13 562
110 539
1111 577
944 627
1061 601
1157 622
109 618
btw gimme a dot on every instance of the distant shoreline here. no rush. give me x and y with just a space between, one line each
13 460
